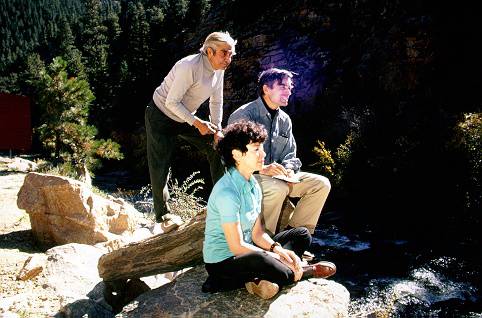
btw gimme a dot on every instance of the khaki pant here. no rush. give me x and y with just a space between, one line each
312 191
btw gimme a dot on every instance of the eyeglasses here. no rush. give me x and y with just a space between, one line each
225 53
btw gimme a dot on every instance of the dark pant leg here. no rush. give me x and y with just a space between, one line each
204 145
161 139
297 239
234 272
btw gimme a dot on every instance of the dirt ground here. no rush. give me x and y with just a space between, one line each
32 298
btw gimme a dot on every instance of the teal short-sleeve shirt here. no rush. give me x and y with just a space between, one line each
233 199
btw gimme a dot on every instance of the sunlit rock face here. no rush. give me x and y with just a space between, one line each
64 210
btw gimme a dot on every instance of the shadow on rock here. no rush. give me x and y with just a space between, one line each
84 308
102 301
7 172
21 240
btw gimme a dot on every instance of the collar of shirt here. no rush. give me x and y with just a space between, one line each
240 182
206 63
272 112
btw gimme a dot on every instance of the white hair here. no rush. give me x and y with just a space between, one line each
216 38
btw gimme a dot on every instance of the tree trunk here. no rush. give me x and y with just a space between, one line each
86 175
162 253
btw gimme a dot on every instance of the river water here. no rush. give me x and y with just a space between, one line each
401 278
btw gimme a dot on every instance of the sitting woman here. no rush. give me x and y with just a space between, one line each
237 251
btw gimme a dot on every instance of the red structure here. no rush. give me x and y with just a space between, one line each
15 125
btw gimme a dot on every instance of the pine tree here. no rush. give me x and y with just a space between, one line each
70 53
196 11
95 56
94 42
137 43
135 67
63 131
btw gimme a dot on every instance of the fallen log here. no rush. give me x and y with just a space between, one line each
162 253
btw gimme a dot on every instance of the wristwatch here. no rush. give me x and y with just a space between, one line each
273 246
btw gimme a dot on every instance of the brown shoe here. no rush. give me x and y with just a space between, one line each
263 289
323 269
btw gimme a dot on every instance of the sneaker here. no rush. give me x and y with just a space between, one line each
176 219
169 223
164 227
263 289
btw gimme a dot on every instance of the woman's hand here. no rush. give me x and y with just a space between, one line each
274 255
283 253
290 259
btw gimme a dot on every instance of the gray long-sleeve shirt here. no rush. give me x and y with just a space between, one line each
280 146
191 81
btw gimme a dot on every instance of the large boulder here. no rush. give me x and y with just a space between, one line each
73 265
69 273
63 210
184 298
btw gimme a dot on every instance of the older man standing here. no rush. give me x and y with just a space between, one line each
171 113
275 87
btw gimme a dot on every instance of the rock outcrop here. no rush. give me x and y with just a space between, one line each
71 270
63 210
184 298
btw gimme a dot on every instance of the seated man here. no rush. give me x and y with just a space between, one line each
275 87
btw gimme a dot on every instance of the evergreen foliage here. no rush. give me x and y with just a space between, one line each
28 26
69 51
94 42
64 131
137 54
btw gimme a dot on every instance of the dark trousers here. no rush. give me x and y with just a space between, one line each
162 133
234 272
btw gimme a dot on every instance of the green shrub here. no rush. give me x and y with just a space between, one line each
334 166
64 109
183 201
468 141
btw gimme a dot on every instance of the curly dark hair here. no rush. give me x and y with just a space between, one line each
237 136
